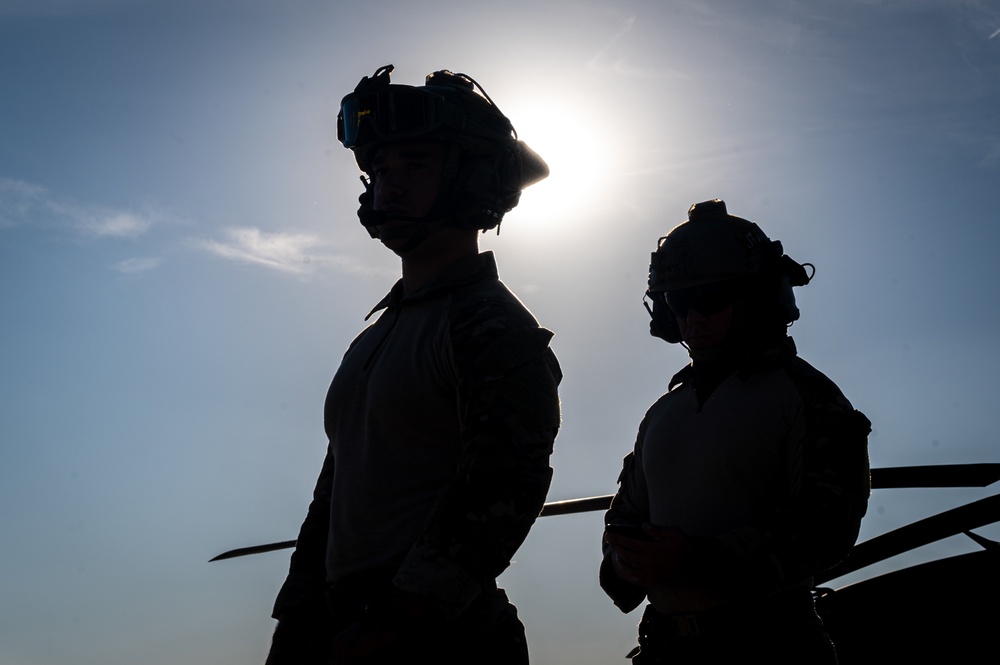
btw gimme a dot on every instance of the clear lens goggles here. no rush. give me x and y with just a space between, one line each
394 113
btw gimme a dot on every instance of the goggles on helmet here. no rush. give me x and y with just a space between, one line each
393 113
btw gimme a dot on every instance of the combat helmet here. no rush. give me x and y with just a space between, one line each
487 165
716 258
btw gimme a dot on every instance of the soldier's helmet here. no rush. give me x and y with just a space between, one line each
487 166
715 258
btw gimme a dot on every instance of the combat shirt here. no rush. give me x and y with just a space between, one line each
441 420
768 476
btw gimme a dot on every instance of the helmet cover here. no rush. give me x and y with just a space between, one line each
488 166
718 253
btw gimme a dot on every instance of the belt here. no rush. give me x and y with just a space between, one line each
728 619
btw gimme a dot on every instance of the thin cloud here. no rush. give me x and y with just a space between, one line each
102 223
11 187
17 198
602 54
620 56
23 203
284 252
605 60
118 225
138 265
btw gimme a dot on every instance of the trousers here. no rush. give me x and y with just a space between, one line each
781 629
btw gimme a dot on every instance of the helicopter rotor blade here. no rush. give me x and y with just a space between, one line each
936 475
939 475
570 506
922 532
894 477
566 507
552 508
254 549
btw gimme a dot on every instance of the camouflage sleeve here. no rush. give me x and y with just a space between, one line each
509 412
629 506
302 634
304 587
831 482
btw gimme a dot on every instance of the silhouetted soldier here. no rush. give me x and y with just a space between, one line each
442 415
748 476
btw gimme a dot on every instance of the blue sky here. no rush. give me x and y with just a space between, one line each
181 269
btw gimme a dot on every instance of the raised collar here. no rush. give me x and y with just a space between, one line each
467 271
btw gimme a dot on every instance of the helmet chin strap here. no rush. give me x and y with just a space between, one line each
415 229
412 229
721 352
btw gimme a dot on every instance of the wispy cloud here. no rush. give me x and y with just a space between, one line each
14 187
138 264
602 54
614 56
24 203
118 225
620 56
17 198
284 252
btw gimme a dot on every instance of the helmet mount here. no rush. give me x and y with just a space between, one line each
715 257
486 167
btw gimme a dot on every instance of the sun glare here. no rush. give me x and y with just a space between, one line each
579 160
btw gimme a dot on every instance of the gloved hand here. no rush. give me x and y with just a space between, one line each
300 640
394 628
646 562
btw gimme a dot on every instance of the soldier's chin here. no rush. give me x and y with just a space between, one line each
397 246
705 341
399 236
701 349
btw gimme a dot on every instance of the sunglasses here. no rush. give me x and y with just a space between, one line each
707 299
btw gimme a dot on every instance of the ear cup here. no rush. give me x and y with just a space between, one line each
663 323
366 210
487 187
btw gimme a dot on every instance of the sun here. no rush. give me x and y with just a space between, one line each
580 161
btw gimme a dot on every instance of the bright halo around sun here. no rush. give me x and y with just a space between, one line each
581 164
